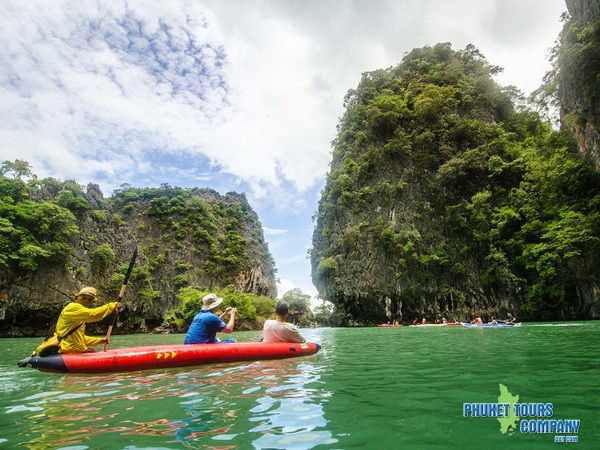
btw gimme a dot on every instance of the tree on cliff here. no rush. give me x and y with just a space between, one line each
30 232
18 168
445 198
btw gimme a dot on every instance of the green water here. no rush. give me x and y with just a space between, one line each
368 387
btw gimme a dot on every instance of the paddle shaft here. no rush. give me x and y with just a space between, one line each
121 295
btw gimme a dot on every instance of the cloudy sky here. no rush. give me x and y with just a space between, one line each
233 95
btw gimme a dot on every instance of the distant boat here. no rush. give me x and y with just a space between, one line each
436 324
492 325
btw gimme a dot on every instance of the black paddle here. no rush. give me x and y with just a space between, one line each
121 295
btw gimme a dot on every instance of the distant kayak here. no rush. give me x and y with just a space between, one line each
166 356
388 325
491 325
449 324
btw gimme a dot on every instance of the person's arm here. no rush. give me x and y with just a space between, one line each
227 311
293 334
82 314
90 341
231 323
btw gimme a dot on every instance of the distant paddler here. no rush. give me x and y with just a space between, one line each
510 319
70 329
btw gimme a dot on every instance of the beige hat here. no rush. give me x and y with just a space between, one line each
211 301
87 291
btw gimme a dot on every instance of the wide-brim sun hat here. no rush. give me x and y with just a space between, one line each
89 291
211 301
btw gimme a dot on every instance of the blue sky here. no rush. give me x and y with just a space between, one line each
232 95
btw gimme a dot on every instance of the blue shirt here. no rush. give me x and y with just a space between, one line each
204 328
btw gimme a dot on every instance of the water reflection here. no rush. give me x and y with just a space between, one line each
275 404
289 416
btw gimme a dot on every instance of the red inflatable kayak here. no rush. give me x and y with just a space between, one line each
164 356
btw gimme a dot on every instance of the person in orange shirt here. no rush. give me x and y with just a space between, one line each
75 315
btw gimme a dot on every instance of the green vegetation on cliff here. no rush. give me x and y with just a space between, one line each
446 198
56 236
31 232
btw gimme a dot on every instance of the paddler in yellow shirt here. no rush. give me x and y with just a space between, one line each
77 314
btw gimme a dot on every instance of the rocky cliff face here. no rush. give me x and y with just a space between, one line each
186 237
445 200
577 69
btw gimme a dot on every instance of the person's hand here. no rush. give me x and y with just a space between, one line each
105 341
227 310
233 311
119 307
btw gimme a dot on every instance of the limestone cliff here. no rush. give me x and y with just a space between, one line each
577 75
444 199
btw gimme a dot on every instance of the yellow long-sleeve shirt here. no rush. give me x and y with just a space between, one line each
72 315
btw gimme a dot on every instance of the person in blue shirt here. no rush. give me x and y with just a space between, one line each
207 324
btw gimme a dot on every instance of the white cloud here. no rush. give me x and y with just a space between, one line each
274 231
79 96
292 259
